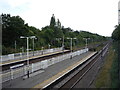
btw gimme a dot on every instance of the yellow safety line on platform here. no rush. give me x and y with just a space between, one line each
53 78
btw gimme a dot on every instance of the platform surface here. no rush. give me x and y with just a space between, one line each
49 74
60 74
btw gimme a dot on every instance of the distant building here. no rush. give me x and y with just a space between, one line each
119 12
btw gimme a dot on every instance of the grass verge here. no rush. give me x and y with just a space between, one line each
104 79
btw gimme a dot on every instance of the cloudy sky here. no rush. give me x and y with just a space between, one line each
96 16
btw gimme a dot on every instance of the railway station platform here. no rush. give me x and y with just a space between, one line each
50 74
47 82
33 57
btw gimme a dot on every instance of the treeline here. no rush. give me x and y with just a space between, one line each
14 26
116 33
115 71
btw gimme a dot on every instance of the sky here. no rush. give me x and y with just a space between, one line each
96 16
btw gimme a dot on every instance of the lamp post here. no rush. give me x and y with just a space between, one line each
71 44
62 42
42 50
15 46
86 39
63 45
49 46
28 52
33 37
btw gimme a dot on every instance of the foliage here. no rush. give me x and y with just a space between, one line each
104 78
115 70
12 29
115 66
14 26
52 22
116 33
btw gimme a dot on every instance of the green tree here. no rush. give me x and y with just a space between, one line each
58 24
116 33
12 28
52 22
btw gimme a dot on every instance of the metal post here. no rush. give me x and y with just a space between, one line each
42 50
33 46
22 50
49 46
23 71
86 42
28 56
71 48
15 45
11 77
71 45
63 44
27 66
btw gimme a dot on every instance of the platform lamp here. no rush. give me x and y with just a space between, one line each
49 46
86 39
71 44
31 37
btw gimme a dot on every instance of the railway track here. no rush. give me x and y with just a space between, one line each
34 60
71 79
